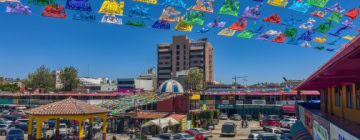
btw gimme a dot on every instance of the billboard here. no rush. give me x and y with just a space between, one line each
319 132
339 134
308 122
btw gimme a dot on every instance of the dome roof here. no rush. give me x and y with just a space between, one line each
171 86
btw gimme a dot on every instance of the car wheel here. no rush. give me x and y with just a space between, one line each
3 133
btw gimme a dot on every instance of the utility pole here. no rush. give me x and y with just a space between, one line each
238 77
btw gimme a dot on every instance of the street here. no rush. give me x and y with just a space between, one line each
242 133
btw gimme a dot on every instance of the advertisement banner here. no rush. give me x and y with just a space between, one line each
195 97
308 122
225 102
339 134
210 102
301 115
239 102
259 102
225 106
324 126
319 132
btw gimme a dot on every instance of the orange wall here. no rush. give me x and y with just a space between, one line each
342 111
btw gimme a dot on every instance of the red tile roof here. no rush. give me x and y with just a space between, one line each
150 115
177 116
68 106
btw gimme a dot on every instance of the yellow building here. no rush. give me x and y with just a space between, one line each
338 81
66 109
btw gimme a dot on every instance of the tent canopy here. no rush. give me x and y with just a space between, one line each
162 123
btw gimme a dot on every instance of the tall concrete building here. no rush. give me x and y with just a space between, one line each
183 54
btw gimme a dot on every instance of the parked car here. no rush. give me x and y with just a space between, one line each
195 134
167 136
5 121
5 128
204 132
288 122
235 117
272 129
63 130
22 121
184 136
5 112
268 136
228 128
10 117
285 136
223 116
254 134
22 126
270 122
15 134
248 117
273 117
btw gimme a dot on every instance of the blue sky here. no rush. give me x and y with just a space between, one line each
123 51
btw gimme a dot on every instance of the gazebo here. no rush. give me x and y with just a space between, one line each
70 109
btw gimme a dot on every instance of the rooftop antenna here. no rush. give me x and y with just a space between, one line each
238 77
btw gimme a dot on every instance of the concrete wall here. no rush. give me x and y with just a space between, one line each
144 84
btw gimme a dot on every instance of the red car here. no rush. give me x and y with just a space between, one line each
195 134
270 122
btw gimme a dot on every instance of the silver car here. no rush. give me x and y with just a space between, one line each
5 128
183 136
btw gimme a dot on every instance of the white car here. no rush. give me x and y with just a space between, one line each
63 130
287 122
205 133
184 136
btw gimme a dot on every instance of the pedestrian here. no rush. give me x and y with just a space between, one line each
242 124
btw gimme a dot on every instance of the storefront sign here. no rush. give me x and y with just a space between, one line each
225 102
195 97
308 122
301 115
324 124
239 102
339 134
319 132
222 106
259 102
210 102
188 125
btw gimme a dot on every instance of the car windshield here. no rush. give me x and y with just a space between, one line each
202 130
12 132
269 138
187 135
195 132
2 126
227 128
62 126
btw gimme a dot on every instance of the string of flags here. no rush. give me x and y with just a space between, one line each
195 16
128 102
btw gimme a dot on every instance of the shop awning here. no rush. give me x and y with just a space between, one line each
162 123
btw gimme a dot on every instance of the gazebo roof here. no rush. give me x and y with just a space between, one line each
68 106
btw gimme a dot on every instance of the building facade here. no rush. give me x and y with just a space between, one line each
337 114
56 76
145 82
97 84
183 54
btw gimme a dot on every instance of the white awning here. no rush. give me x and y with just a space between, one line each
162 123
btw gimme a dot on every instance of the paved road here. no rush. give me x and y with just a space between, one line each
242 133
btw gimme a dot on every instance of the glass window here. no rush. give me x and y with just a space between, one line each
177 52
349 97
177 46
337 96
357 94
177 58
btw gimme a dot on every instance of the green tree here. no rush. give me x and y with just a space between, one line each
69 78
1 79
194 80
9 87
41 79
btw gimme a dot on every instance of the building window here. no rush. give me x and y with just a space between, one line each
177 52
177 58
177 68
177 46
184 46
337 96
357 94
177 63
349 97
